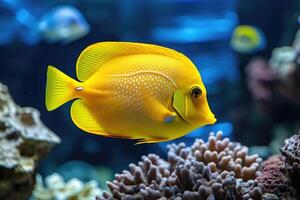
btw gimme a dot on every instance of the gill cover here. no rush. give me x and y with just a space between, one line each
183 104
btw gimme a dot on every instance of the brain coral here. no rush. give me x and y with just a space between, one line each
217 169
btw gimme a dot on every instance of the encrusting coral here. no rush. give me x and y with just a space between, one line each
280 174
291 152
274 180
217 169
57 188
24 140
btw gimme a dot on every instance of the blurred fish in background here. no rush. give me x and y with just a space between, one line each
61 24
248 39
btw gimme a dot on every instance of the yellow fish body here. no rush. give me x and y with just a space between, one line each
132 90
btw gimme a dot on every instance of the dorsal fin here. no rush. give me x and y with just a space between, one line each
97 54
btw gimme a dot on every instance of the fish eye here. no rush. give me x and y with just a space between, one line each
196 92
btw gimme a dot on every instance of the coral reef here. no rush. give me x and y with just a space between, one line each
217 169
24 140
57 188
280 174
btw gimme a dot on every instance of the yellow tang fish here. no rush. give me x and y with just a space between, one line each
132 90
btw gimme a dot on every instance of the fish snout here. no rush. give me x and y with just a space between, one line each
211 120
206 118
202 120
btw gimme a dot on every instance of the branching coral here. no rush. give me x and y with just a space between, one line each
57 188
220 154
217 169
24 140
250 190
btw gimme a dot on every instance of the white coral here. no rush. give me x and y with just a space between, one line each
57 189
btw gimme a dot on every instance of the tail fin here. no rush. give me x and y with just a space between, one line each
59 88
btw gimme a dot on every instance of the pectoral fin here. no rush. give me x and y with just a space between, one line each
157 111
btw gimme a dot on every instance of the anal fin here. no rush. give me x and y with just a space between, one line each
84 119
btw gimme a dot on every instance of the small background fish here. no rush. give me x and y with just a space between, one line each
63 23
247 39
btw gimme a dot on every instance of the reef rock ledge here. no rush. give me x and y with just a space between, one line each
24 140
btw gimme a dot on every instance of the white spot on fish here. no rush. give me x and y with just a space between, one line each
79 88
